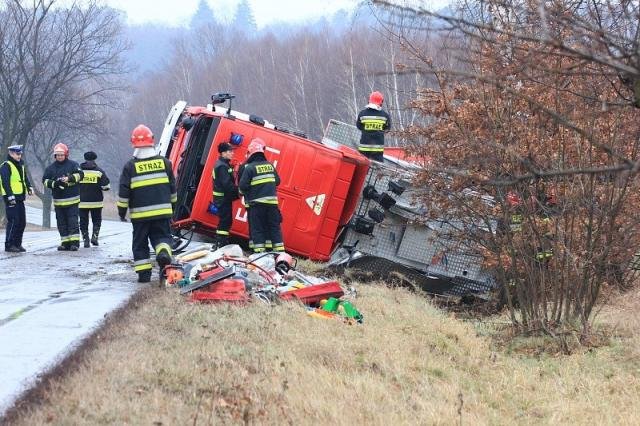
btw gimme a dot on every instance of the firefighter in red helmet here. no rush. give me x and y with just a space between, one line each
224 192
148 191
258 184
63 178
373 122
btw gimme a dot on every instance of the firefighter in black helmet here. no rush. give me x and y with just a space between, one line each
373 121
258 185
93 184
224 192
148 191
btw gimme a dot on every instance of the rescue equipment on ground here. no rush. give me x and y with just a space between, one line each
225 275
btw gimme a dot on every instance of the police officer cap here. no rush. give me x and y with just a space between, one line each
15 148
90 156
224 147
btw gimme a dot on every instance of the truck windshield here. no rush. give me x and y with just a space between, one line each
194 157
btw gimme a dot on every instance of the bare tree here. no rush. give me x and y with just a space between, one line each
55 62
535 140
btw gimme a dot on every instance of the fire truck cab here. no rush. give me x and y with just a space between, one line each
320 184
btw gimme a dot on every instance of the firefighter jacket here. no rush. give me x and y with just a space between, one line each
224 186
147 189
13 179
259 181
373 122
65 194
95 181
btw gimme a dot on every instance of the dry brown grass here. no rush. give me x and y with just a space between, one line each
170 362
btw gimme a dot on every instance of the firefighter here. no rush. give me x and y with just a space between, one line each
245 203
148 191
258 185
225 191
93 184
63 178
14 185
373 122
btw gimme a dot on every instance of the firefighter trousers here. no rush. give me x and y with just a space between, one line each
157 232
264 226
67 219
96 219
16 222
224 222
375 156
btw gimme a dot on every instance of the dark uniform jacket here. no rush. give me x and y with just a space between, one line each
64 194
224 186
373 123
95 181
147 189
259 181
7 172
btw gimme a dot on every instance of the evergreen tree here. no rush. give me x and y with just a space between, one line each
244 18
202 16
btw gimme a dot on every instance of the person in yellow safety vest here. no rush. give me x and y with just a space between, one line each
14 185
148 191
63 178
258 184
225 191
373 122
93 185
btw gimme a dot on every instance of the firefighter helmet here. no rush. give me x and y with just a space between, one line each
256 145
141 136
376 98
61 148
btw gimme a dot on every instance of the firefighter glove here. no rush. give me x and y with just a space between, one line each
30 191
11 199
60 185
71 179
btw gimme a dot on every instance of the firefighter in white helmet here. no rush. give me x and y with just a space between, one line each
63 178
373 121
148 191
258 184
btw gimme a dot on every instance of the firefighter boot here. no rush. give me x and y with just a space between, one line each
144 276
164 259
85 239
221 241
94 236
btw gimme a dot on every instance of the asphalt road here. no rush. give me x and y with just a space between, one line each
50 300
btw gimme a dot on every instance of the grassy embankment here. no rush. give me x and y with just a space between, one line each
170 362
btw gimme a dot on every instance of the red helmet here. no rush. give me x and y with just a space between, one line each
376 98
256 145
61 148
141 136
513 199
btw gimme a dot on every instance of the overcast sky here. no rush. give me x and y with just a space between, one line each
176 13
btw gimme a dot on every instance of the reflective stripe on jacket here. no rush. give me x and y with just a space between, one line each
258 183
373 123
147 189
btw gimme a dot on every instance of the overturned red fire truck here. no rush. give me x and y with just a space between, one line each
335 203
